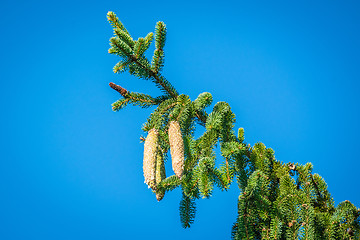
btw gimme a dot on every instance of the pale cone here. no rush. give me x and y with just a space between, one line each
176 148
150 151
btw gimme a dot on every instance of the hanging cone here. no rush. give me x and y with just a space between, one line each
160 174
176 148
150 151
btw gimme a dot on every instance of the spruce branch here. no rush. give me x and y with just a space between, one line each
120 48
115 22
120 104
121 34
187 211
277 200
159 80
135 97
316 187
201 116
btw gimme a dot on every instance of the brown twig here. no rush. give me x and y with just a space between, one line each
227 170
119 89
126 94
316 187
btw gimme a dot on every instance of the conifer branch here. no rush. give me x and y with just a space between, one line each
115 22
158 79
200 115
187 211
245 219
138 99
316 187
273 203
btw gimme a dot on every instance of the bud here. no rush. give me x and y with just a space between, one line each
176 148
150 152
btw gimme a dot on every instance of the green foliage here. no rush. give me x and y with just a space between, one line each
276 201
170 183
187 211
202 101
136 99
132 54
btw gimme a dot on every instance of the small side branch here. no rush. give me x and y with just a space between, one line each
316 187
200 115
139 99
158 79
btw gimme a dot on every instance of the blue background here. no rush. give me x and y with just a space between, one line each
72 169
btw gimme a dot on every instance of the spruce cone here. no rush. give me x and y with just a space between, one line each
150 152
176 148
160 174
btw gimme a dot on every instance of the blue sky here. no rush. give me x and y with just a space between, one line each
72 169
